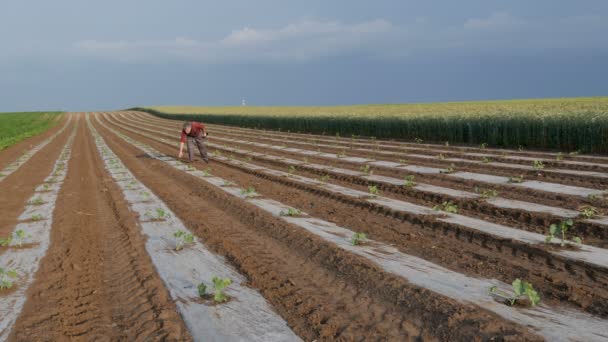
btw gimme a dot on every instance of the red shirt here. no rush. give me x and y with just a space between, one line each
195 129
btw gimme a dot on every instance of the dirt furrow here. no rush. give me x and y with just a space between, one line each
291 248
97 281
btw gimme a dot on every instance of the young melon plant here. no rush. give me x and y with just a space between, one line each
219 285
538 165
561 228
202 289
440 156
373 190
181 239
485 160
36 217
207 172
159 214
418 141
483 145
559 156
6 241
521 289
516 179
365 169
486 193
19 235
228 183
409 181
342 154
37 201
291 212
358 239
447 206
325 178
249 192
6 278
588 212
291 169
449 169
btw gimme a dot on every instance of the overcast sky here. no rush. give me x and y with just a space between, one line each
92 55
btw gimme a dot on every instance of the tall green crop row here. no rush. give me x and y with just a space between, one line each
568 130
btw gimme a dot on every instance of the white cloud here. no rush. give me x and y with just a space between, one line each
316 39
300 41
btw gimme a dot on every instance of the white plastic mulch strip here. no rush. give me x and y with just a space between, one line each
14 166
247 317
555 323
496 201
36 223
535 185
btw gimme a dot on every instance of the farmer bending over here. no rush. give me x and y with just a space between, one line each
196 133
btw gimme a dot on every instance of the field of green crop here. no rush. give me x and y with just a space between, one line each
15 127
564 124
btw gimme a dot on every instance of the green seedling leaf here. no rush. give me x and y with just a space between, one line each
373 190
358 238
365 169
202 289
291 212
6 278
181 239
447 206
409 181
249 192
219 285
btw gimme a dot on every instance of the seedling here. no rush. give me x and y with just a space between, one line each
249 192
520 148
574 153
217 153
229 183
561 228
158 215
219 285
190 168
588 212
486 193
325 179
181 239
305 160
449 169
483 145
418 141
373 190
441 156
516 179
521 289
202 289
36 217
291 169
37 201
447 206
342 154
46 186
358 239
249 158
538 165
19 236
291 212
447 144
145 195
207 172
485 160
5 242
409 181
365 169
559 156
6 278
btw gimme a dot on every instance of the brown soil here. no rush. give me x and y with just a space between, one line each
96 281
322 291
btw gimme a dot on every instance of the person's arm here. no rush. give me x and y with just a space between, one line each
181 145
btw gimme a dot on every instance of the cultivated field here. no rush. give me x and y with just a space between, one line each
293 236
15 127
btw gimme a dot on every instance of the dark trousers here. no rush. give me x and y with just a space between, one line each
199 140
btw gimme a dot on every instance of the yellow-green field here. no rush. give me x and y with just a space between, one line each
536 107
563 124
